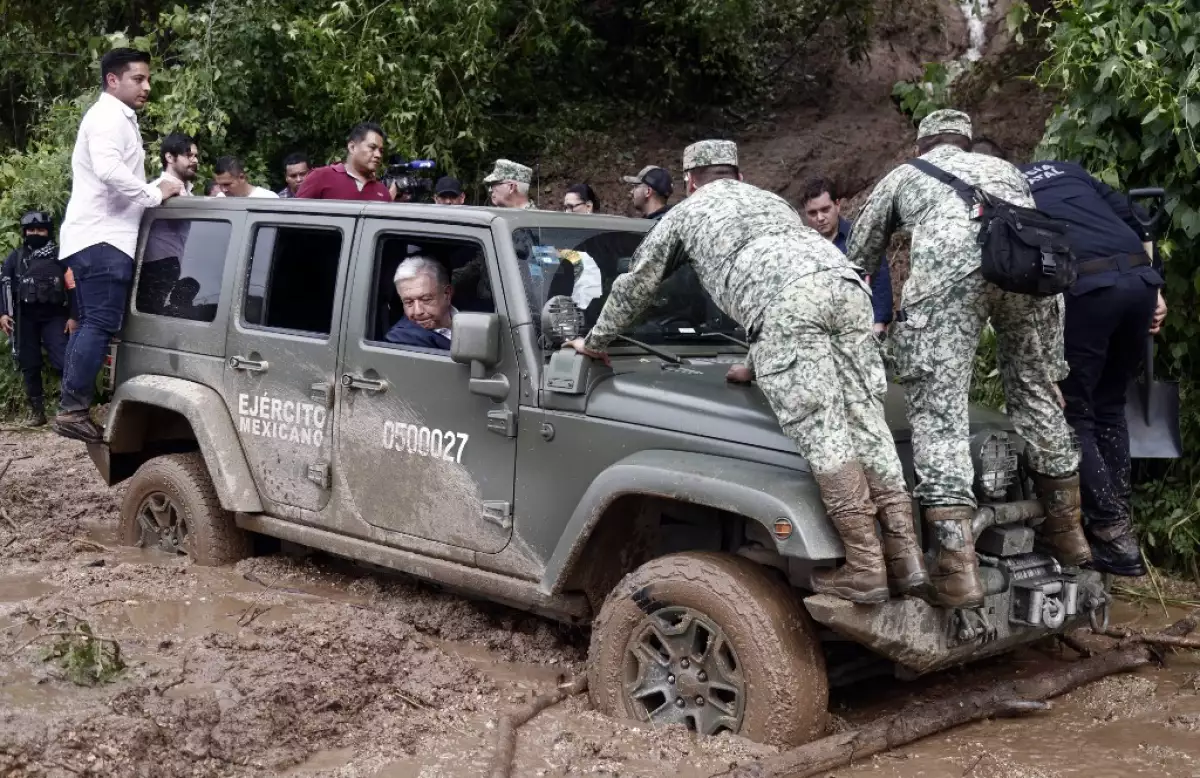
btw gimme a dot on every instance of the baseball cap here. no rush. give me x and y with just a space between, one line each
654 177
448 185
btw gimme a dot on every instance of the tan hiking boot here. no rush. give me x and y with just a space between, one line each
848 504
956 568
905 566
1062 531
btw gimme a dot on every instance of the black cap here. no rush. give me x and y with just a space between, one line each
654 177
448 185
31 219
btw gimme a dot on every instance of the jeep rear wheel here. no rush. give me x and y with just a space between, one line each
171 506
712 641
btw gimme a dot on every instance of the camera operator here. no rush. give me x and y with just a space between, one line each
355 178
402 181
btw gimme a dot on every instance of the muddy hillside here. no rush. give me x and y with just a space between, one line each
291 665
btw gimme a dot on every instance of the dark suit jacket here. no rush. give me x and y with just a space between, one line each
406 332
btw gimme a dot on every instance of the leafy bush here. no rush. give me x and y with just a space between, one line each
920 97
1130 80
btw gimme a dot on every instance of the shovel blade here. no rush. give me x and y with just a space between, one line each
1153 426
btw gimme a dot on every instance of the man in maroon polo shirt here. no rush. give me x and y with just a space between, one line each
355 178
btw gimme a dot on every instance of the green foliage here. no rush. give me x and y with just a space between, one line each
986 387
1130 79
87 659
929 93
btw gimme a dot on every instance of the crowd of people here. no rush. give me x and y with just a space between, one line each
811 290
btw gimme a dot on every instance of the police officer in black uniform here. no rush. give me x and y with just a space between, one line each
1109 310
34 306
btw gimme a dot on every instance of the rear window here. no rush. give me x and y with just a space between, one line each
182 267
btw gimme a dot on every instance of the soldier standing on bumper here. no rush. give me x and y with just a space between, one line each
945 304
809 315
34 307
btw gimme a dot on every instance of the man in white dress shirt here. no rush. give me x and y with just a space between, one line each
231 177
99 232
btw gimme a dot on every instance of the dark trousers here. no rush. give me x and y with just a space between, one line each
1105 335
37 330
102 276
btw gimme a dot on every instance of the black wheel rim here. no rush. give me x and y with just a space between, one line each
681 668
161 522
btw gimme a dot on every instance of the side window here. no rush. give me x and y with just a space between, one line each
441 277
292 277
182 266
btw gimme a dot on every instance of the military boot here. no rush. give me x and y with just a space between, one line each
848 504
37 412
956 568
1062 531
1115 548
905 567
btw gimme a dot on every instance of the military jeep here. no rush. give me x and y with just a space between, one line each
255 393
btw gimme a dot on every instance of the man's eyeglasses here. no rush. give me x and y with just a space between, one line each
572 206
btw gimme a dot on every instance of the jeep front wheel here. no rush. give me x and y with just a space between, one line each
171 505
712 641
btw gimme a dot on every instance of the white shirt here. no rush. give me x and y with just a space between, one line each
168 175
109 191
445 332
258 191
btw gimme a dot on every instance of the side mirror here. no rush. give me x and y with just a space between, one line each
476 338
475 341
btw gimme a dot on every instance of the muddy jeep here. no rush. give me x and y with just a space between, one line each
256 392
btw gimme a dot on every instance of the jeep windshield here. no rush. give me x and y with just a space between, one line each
583 263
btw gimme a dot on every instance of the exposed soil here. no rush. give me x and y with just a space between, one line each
312 666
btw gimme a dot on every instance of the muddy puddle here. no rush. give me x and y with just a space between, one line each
309 666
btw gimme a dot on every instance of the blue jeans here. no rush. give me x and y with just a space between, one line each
102 276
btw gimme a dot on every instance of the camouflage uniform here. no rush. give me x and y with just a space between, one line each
507 170
809 317
806 309
945 304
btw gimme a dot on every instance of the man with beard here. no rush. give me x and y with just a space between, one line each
179 160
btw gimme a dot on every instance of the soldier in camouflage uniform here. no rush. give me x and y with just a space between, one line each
945 304
809 318
509 183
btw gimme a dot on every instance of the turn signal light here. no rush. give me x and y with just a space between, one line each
783 529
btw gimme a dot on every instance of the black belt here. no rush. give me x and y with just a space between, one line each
1117 262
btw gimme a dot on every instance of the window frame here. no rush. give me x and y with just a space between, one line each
232 236
274 222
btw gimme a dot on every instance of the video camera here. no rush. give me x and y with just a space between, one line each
404 173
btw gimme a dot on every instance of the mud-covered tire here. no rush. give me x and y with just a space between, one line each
779 656
179 484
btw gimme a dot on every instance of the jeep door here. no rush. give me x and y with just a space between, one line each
281 352
418 452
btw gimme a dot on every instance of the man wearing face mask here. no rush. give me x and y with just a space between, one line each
34 307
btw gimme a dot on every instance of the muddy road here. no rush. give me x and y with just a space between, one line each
308 666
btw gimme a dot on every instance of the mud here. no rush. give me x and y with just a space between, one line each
302 665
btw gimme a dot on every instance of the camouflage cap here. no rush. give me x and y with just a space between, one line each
507 170
945 121
710 152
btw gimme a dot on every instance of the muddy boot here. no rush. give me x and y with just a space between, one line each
1115 548
78 425
848 503
37 412
1062 531
956 568
905 566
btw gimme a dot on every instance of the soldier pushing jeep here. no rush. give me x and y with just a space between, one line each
809 317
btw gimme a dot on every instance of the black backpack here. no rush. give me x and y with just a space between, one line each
41 279
1024 250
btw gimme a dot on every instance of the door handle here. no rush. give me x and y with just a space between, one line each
365 384
249 365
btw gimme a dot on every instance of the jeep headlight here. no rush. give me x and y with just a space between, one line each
995 462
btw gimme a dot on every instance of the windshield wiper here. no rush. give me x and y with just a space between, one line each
665 355
726 336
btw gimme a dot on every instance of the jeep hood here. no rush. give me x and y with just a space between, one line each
696 399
